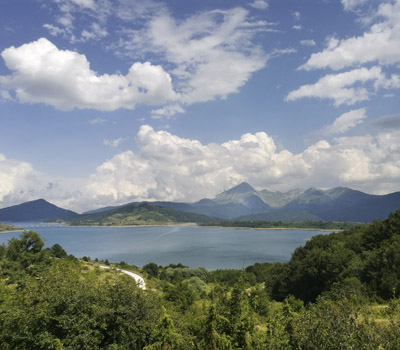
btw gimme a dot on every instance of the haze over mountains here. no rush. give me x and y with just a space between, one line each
240 203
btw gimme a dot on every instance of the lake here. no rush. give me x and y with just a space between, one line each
210 247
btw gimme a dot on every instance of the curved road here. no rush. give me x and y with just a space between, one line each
139 279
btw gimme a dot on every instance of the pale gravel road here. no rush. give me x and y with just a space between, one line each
139 279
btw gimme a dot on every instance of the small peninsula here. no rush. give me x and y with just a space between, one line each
7 228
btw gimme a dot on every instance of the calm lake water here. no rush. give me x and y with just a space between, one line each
210 247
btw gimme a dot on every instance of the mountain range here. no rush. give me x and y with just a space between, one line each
244 203
240 203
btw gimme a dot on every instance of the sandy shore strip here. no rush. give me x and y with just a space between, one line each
139 279
12 231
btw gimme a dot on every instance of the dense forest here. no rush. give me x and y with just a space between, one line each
339 291
317 225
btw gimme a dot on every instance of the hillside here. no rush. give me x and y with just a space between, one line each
339 291
244 203
5 227
345 204
138 214
37 210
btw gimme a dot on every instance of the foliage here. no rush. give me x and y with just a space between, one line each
138 214
321 225
324 298
368 255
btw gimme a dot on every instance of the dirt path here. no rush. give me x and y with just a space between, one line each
139 279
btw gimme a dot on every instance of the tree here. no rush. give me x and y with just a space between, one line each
164 335
58 251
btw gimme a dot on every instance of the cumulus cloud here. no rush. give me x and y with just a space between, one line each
346 121
209 55
41 73
380 44
20 182
339 87
169 167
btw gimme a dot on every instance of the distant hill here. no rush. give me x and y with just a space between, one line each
345 204
37 210
138 214
244 203
281 215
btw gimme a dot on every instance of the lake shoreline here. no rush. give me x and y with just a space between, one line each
278 228
12 231
215 226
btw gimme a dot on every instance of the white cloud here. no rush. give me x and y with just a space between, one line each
96 32
168 167
350 5
338 87
5 95
114 142
20 182
308 42
296 15
297 27
259 4
97 121
212 52
380 44
41 73
346 121
209 55
53 30
167 112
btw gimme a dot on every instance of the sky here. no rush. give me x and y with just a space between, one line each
104 102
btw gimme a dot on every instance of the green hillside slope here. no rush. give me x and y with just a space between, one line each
138 214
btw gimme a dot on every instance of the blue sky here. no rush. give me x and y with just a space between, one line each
109 101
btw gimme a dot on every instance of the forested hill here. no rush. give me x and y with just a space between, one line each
138 214
339 291
364 258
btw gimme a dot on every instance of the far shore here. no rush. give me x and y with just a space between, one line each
12 231
153 225
277 228
224 227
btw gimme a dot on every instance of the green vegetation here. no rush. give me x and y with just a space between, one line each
318 225
138 214
339 291
5 227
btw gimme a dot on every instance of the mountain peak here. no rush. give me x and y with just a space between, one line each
243 187
36 210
